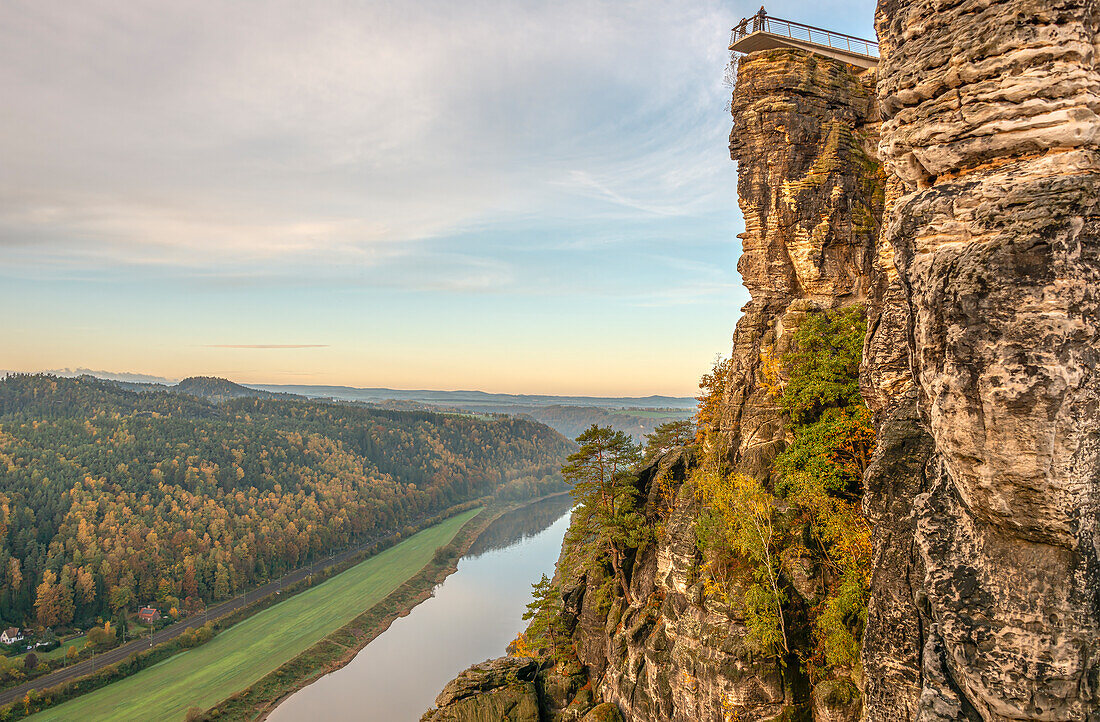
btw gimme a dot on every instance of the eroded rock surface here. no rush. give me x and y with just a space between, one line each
985 492
499 690
676 653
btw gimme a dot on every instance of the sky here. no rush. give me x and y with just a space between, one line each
525 197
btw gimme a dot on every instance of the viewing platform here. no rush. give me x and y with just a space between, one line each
764 32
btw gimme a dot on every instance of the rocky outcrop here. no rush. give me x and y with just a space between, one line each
676 653
605 712
985 490
811 192
499 690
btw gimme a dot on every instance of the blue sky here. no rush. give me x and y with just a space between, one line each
510 196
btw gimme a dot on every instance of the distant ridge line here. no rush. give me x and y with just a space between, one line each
135 381
435 396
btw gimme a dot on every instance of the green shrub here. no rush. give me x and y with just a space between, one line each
822 369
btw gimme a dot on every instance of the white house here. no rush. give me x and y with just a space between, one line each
11 635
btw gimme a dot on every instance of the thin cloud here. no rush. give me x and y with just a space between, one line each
317 131
404 170
266 345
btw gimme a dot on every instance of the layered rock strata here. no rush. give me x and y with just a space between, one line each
985 491
805 129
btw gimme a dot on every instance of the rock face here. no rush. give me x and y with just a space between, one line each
804 134
499 690
985 490
976 249
676 653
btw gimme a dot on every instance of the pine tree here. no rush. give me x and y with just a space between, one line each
604 488
668 436
546 630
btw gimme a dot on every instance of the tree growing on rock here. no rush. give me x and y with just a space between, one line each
668 436
546 629
742 515
821 471
602 474
817 483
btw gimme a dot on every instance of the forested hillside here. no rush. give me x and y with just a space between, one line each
110 497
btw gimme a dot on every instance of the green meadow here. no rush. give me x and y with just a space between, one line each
244 653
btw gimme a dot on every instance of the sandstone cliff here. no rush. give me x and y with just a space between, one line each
984 498
974 249
811 192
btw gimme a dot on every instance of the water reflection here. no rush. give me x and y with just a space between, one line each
520 524
471 617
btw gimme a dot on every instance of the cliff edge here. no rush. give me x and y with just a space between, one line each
951 198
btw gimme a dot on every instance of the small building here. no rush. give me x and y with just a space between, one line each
11 635
148 615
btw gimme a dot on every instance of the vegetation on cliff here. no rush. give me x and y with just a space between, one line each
754 535
667 437
607 517
545 629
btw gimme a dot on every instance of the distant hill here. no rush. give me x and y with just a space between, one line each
217 390
570 421
568 415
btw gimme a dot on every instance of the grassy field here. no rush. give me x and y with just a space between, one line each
241 655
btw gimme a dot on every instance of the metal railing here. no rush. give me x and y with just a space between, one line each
762 22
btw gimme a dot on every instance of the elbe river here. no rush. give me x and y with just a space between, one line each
471 617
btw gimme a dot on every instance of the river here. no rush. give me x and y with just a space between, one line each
471 617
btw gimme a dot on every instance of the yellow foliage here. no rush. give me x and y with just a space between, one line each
771 379
711 386
666 501
521 647
741 515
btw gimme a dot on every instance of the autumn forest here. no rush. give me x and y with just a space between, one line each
114 498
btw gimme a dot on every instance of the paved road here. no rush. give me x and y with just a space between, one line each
121 652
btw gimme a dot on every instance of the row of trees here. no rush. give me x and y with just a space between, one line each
109 498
